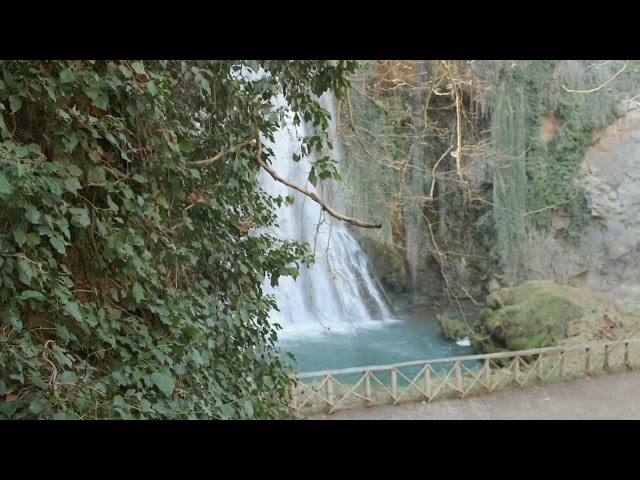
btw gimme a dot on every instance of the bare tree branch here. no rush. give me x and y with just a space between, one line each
433 172
304 191
217 157
605 83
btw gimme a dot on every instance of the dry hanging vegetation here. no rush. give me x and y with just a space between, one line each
471 158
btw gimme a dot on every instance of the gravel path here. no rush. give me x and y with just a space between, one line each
614 396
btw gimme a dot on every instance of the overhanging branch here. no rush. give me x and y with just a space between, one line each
604 84
235 148
304 191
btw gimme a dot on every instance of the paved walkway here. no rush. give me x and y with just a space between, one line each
614 396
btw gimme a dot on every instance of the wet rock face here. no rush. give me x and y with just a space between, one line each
610 172
607 257
388 265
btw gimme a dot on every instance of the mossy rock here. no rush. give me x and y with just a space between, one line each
452 328
485 313
538 314
388 265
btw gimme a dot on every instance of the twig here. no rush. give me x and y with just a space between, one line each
304 191
605 83
433 172
476 303
54 374
217 157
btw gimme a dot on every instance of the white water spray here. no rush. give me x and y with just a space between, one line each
337 294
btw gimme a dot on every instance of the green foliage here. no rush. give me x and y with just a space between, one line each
534 179
128 286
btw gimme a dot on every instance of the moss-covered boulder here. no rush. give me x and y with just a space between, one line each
453 328
388 265
542 313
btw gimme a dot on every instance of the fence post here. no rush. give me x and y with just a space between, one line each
367 386
587 361
394 384
627 360
329 388
540 366
427 380
563 364
458 373
606 358
294 395
516 370
487 374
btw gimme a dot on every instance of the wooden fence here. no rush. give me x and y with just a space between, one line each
457 377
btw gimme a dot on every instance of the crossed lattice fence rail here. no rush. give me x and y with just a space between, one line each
457 377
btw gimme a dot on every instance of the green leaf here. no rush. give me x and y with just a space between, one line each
70 141
33 239
32 214
15 103
138 68
63 114
96 175
69 378
72 185
4 389
119 378
50 92
125 71
80 217
101 102
3 126
27 294
164 381
73 309
324 174
66 75
196 357
112 206
188 145
139 178
248 408
313 180
27 269
58 245
63 333
5 186
152 89
36 408
74 170
19 236
64 227
21 152
138 292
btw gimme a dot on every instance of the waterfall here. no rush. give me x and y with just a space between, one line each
337 293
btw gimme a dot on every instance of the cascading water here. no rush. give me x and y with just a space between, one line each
336 296
337 293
